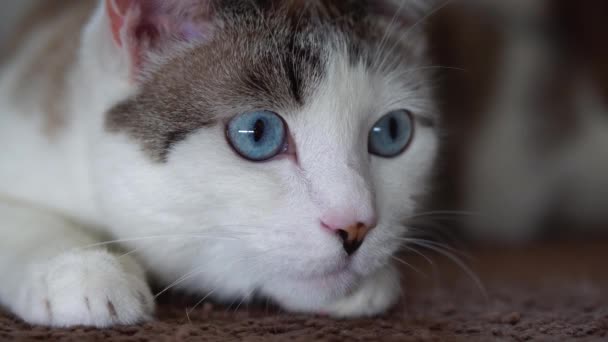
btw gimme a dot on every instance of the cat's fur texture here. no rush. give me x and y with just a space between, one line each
112 129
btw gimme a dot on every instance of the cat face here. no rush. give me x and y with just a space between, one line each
256 152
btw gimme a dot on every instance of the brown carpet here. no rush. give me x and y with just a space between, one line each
553 292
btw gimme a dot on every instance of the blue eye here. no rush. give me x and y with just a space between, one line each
257 136
391 135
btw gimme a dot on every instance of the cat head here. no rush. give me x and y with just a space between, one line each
287 140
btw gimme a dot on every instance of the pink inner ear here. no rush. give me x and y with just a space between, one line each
116 11
141 25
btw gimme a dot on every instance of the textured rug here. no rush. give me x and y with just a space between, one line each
550 292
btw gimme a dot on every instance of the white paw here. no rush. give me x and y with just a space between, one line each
376 295
90 288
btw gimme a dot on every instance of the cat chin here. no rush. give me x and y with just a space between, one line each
311 295
341 295
314 293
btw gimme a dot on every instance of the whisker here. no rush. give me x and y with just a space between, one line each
414 268
133 251
417 252
468 271
434 268
188 316
436 231
437 245
230 306
199 270
431 224
189 311
180 280
431 228
455 213
153 237
243 300
411 29
387 31
230 235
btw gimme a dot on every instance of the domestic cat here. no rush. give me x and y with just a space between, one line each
228 149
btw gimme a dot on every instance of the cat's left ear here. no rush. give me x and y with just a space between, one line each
141 28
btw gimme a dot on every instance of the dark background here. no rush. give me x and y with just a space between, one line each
474 36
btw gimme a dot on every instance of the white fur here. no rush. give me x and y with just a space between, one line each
206 221
374 295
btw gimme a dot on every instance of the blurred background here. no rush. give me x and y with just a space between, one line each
523 89
524 93
11 12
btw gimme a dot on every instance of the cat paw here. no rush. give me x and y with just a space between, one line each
86 288
378 293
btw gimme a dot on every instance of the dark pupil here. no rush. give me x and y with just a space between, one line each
393 127
258 130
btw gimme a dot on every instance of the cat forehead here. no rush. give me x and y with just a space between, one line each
273 60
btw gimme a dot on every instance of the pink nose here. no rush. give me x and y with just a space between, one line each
351 232
336 220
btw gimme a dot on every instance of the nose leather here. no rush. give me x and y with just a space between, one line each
353 237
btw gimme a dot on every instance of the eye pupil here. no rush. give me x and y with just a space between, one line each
393 127
258 130
257 136
391 135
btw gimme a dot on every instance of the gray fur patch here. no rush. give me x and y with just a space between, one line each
269 56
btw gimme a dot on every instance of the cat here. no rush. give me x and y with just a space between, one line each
227 149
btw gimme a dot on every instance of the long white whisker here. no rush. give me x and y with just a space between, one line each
199 270
188 316
229 235
435 270
193 273
131 252
154 237
437 232
415 251
189 311
444 213
409 265
243 300
180 280
411 29
458 262
437 245
387 31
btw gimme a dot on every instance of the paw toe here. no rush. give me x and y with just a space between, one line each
91 290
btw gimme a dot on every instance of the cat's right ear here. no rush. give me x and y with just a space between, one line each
143 28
